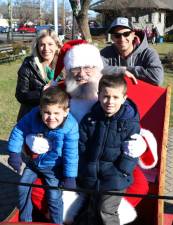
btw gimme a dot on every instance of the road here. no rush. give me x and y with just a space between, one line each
17 36
22 37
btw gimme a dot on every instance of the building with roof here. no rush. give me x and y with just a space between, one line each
143 13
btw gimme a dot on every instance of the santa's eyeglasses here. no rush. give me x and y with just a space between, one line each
86 69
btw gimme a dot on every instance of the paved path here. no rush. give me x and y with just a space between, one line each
8 193
169 173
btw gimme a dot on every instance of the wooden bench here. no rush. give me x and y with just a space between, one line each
7 53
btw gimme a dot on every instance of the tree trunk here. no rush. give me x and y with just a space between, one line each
82 20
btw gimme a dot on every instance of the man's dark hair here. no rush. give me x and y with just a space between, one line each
54 95
112 81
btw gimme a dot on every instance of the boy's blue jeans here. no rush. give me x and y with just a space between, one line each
54 197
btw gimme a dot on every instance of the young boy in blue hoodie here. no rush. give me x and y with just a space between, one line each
58 163
104 164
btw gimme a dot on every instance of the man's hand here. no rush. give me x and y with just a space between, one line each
15 161
131 76
135 147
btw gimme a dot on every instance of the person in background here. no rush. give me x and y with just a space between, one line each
54 157
104 164
37 71
130 54
155 35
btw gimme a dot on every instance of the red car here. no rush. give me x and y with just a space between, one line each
27 29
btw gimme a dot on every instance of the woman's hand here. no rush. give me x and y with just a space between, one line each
46 86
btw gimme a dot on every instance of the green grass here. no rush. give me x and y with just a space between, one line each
164 48
9 105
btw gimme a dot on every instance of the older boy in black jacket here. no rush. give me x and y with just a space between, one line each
104 164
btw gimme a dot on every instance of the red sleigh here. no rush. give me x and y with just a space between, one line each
154 106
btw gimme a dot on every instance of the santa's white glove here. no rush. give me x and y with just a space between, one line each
37 144
135 147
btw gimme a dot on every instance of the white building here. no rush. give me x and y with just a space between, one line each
144 13
4 22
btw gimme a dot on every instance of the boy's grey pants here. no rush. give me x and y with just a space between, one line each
108 209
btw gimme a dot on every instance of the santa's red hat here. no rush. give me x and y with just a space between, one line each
77 53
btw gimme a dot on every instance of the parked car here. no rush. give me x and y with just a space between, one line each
15 28
96 31
27 29
44 27
49 26
4 29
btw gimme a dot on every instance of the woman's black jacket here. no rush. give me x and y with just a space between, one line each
29 85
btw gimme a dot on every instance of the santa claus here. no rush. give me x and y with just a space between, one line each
83 65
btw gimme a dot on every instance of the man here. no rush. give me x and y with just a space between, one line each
83 66
130 54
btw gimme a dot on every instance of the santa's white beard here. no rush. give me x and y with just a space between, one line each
83 91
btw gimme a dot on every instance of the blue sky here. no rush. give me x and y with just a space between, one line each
67 5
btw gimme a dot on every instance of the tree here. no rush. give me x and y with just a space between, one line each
26 10
80 13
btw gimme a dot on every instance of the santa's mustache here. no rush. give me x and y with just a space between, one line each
79 78
86 90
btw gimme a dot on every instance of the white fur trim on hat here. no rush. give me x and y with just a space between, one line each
152 147
126 211
83 55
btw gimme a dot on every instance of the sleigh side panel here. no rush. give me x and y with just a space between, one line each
154 106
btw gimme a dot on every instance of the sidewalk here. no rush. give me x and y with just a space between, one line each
8 193
169 173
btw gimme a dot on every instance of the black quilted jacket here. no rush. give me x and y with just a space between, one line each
29 85
103 165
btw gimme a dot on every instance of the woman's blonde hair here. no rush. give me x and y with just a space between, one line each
45 33
35 50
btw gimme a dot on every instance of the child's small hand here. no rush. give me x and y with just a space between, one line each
69 182
15 161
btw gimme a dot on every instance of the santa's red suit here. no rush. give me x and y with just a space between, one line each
147 158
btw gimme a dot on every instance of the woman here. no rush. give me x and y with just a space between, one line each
37 70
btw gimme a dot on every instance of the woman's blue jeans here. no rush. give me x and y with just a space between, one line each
54 196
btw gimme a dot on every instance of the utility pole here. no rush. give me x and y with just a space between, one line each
63 16
10 20
40 13
56 16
